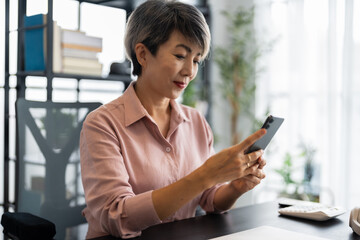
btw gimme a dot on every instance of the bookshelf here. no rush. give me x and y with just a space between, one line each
20 75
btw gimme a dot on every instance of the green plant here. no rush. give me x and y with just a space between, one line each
286 170
298 189
190 95
238 68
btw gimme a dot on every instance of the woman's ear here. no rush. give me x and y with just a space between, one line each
141 53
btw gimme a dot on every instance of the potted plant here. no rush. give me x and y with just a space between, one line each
238 66
299 188
286 172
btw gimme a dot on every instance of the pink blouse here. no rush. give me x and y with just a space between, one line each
124 157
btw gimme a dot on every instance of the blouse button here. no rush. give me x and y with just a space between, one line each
168 149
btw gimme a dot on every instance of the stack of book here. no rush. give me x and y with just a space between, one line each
78 53
74 52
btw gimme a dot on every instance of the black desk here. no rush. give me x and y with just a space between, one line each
240 219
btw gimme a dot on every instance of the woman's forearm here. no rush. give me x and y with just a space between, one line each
171 198
225 197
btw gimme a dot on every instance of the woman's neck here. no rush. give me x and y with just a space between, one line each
156 106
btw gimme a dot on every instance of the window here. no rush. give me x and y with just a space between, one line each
312 81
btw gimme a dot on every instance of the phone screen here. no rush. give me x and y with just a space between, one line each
271 124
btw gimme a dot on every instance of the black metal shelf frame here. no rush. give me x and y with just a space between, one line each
6 109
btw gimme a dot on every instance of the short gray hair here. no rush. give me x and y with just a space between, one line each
152 23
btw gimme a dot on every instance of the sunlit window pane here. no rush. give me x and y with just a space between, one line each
113 34
312 82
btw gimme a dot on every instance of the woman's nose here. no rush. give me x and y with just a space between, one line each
189 69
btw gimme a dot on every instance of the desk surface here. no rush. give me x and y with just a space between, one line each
240 219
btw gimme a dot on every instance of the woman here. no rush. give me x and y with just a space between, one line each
146 159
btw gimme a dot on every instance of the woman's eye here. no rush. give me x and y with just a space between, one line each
179 56
198 62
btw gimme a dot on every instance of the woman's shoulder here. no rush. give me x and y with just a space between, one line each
115 108
107 110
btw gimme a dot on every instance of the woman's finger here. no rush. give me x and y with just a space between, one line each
253 158
255 171
241 147
261 162
253 180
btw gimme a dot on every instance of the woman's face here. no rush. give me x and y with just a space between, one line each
172 68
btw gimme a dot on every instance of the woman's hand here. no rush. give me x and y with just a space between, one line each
227 194
250 181
250 173
233 163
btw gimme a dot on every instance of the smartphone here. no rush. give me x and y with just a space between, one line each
271 124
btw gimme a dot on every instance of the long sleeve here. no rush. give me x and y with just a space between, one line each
207 198
110 198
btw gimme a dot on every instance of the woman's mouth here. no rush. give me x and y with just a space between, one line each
180 85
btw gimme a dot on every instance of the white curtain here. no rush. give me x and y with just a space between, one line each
312 79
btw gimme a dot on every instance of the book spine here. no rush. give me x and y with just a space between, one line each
57 55
81 47
81 62
80 38
34 43
71 52
81 70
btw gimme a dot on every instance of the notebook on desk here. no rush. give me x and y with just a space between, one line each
268 233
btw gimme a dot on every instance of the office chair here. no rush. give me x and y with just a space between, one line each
48 181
